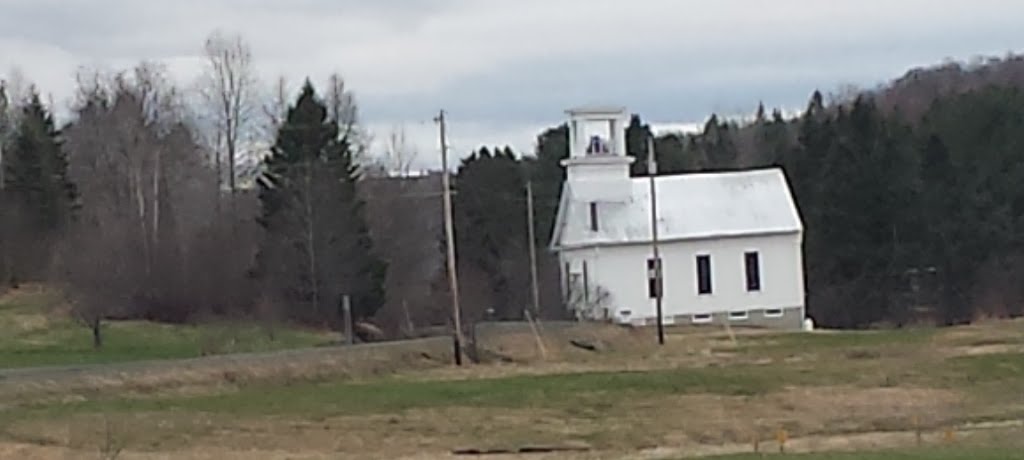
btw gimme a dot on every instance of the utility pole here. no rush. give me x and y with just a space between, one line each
652 170
533 249
453 279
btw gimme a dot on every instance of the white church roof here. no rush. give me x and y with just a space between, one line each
690 206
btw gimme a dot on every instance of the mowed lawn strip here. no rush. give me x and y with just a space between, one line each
394 395
556 391
34 332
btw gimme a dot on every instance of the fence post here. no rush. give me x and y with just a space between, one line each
346 305
536 334
781 437
917 430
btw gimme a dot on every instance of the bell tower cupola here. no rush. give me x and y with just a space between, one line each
598 167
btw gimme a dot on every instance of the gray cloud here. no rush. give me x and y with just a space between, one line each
503 69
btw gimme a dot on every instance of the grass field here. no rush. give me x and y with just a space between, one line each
700 395
35 333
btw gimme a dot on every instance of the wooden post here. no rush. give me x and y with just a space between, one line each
449 231
346 305
782 437
536 335
408 318
917 430
533 250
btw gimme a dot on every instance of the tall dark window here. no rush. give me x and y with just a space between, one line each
568 283
586 283
654 284
593 217
704 274
753 265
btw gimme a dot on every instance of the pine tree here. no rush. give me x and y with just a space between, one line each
548 175
36 187
866 196
490 218
6 217
318 247
717 145
637 134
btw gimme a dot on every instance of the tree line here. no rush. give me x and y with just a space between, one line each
908 192
154 204
219 200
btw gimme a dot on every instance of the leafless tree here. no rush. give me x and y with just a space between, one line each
275 109
588 302
229 86
404 216
399 154
145 211
343 110
17 87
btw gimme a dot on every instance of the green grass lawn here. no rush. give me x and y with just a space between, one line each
564 391
583 394
32 335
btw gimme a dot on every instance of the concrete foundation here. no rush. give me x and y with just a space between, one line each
791 319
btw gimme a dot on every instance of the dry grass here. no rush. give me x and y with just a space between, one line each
706 424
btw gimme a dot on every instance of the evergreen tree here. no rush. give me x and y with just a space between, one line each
637 134
866 198
548 175
37 189
971 172
940 212
318 247
771 139
718 148
490 218
671 151
6 217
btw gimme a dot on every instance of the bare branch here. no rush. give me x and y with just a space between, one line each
399 154
276 109
228 88
343 110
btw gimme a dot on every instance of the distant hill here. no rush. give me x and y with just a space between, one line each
912 93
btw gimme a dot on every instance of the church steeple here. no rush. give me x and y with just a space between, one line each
598 167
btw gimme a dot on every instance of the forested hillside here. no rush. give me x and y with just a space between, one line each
138 206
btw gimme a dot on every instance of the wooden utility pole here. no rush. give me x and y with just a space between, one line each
652 170
533 249
449 231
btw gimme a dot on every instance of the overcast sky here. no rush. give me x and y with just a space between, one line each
504 70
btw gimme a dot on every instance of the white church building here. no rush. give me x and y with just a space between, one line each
731 243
